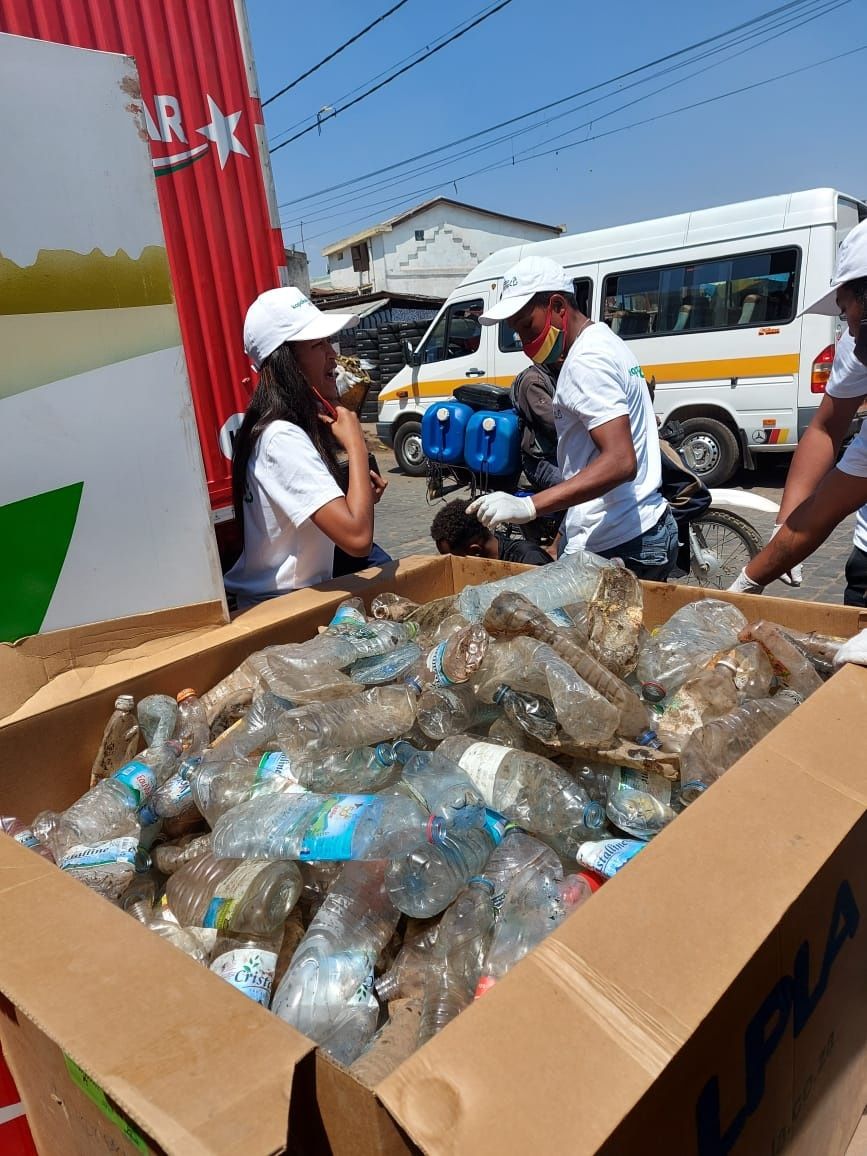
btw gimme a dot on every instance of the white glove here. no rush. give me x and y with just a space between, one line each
855 650
744 585
795 576
496 509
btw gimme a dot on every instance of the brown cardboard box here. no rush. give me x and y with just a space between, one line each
710 1000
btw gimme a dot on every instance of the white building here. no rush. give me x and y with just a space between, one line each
428 249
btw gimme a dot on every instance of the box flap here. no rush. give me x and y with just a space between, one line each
163 1037
558 1054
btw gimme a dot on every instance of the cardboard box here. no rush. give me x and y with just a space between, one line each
710 1000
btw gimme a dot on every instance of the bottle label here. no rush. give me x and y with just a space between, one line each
345 615
139 779
482 762
608 856
105 867
274 763
559 617
230 892
171 799
434 663
332 826
26 838
495 825
625 778
248 969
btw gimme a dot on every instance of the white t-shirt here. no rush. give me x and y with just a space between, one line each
287 482
849 379
599 381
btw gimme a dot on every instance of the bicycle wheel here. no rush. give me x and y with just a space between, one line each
720 545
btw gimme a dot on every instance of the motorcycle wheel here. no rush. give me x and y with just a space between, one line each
720 545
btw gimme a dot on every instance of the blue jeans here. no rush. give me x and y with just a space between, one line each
650 555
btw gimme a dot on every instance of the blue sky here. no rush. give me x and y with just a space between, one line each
799 132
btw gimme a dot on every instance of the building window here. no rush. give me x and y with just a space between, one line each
723 293
419 234
360 258
338 256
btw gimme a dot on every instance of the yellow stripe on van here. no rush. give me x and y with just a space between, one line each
776 366
772 366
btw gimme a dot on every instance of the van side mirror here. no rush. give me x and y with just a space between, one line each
411 356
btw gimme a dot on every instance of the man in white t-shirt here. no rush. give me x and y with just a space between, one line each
820 494
607 441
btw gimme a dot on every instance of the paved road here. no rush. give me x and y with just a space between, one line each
404 516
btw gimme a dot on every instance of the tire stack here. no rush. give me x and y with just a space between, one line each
382 348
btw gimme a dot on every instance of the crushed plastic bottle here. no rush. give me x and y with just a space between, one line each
119 741
683 644
452 660
375 715
447 710
388 667
192 730
406 977
157 717
608 856
792 667
639 802
706 695
750 667
24 835
533 713
572 578
365 770
439 786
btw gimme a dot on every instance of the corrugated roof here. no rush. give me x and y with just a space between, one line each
387 226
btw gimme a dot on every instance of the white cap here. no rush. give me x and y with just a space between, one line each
522 282
280 315
851 264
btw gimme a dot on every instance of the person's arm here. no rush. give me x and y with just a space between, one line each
806 528
348 521
615 465
817 451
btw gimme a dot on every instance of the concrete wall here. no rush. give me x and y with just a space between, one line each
299 270
455 240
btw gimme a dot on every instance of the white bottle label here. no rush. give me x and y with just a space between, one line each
608 855
105 867
248 969
482 762
230 891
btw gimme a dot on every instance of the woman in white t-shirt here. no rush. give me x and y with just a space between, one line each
288 504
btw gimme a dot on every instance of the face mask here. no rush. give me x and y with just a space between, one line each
547 348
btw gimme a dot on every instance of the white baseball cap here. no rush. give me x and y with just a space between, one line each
851 264
522 282
280 315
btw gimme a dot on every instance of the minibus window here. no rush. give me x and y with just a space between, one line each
458 332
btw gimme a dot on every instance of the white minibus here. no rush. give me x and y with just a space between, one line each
709 303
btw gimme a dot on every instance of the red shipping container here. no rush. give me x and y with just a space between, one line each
15 1138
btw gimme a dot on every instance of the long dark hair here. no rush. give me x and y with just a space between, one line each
281 395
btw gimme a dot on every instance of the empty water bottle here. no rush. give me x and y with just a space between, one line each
451 661
685 643
608 856
192 730
447 710
383 712
439 786
750 668
706 695
365 769
119 741
24 835
790 665
639 802
157 718
383 668
572 578
533 713
327 992
406 976
253 896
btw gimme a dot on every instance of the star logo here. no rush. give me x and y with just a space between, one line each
221 131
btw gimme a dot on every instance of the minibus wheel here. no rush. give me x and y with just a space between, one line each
408 449
711 449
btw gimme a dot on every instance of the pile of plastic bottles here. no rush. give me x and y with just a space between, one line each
366 830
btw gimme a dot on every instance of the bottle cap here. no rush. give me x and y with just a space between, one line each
183 695
384 754
500 692
594 816
593 881
442 414
653 691
648 738
402 751
124 702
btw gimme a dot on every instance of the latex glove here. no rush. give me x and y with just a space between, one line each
496 509
795 576
855 650
744 585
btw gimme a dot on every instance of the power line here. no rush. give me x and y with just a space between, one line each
626 127
370 91
336 52
324 210
552 104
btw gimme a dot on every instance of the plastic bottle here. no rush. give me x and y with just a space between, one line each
383 712
106 866
365 769
248 962
530 790
614 620
157 718
608 856
383 668
234 691
170 857
111 807
138 901
395 1042
572 578
639 802
257 727
533 713
427 617
349 612
713 748
821 649
119 741
405 978
511 615
451 661
792 667
217 786
173 798
339 646
750 667
427 879
526 664
439 786
250 897
312 826
24 835
447 710
706 695
327 991
462 942
192 730
684 644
